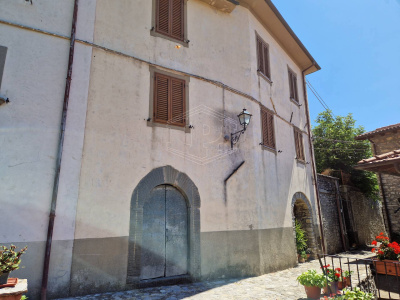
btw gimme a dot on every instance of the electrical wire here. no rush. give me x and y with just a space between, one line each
334 140
319 98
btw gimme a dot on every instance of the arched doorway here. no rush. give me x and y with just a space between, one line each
165 234
302 213
164 217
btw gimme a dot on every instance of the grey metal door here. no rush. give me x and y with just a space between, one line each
165 234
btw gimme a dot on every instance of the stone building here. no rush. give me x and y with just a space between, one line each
121 130
386 162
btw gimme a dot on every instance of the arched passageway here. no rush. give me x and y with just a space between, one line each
302 213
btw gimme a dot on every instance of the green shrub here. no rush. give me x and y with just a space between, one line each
355 294
301 240
311 278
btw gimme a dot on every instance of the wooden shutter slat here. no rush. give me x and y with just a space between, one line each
161 95
177 102
163 16
295 88
177 19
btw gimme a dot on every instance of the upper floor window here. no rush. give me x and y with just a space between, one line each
170 18
263 58
268 132
293 86
298 142
169 100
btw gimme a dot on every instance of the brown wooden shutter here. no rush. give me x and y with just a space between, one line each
295 88
266 61
3 53
301 146
177 19
163 16
298 141
260 57
268 128
161 96
177 102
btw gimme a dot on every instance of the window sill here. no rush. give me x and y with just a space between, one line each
295 102
265 147
184 43
264 77
185 128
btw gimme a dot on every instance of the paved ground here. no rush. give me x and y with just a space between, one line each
275 286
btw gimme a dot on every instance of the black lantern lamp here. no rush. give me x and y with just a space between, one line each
244 120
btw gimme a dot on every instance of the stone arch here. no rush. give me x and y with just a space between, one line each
302 212
166 175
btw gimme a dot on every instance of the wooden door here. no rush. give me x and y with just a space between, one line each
165 234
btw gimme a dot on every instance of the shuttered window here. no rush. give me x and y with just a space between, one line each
298 142
170 18
267 119
293 86
169 100
3 53
263 58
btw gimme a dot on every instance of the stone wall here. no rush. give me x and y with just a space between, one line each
329 211
367 214
390 184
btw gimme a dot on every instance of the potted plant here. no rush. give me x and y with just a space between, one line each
312 283
333 277
301 240
345 280
302 256
388 255
356 294
9 261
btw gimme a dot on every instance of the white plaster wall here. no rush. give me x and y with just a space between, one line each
34 81
120 149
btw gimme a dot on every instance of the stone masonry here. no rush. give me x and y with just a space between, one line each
330 217
390 184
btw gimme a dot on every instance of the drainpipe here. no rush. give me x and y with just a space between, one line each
385 210
312 156
53 206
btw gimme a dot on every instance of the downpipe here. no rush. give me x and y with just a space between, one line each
53 206
313 158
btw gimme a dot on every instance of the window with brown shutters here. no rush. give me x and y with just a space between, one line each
293 86
263 58
170 18
268 132
169 100
298 142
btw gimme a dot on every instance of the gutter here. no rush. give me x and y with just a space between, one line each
53 206
312 152
385 210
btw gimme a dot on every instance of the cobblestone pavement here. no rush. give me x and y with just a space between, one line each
275 286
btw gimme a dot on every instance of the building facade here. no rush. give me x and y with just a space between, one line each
386 162
145 183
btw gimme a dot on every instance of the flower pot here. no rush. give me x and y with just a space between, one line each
387 267
4 278
313 292
334 285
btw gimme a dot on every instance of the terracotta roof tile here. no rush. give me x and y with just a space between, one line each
366 135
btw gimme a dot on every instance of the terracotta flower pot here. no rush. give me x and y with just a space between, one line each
387 267
313 292
334 288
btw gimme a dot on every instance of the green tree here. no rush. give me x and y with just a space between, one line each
336 150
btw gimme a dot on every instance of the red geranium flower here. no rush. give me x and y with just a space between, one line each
374 243
373 250
337 275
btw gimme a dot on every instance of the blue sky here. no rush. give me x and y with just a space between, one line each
357 45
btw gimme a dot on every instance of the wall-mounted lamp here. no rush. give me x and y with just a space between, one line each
244 120
3 100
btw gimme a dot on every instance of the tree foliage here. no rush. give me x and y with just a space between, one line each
337 151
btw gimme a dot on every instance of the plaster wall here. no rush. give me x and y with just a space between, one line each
120 148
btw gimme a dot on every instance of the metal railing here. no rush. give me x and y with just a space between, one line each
381 278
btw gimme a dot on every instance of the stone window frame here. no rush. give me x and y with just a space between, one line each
166 175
